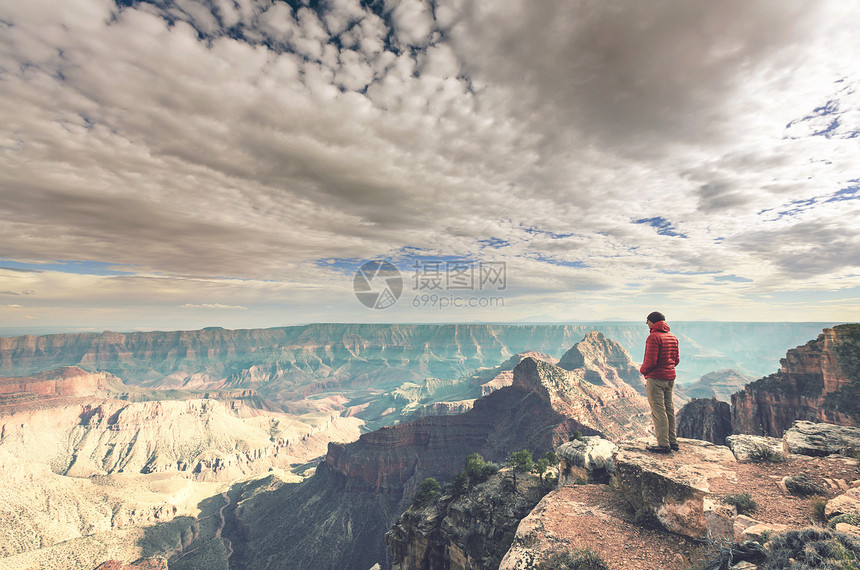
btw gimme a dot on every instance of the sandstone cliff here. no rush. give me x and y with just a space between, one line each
705 419
339 517
819 381
473 530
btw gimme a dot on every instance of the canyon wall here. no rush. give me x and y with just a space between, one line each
819 381
288 363
339 517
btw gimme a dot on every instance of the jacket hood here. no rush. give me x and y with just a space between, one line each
660 326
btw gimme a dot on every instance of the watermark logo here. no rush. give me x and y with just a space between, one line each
377 284
437 284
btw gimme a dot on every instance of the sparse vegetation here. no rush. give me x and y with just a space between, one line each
577 436
802 486
818 504
847 518
428 490
722 554
577 559
541 465
813 548
765 454
743 502
478 470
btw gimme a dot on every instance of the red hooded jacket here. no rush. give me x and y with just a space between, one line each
661 353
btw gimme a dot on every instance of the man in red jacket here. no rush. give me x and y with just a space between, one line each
658 367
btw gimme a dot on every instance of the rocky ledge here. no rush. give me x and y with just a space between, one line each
658 508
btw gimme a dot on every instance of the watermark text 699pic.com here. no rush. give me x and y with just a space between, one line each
436 284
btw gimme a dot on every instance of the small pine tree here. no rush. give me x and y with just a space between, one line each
521 462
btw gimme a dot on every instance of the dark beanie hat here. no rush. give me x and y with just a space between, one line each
656 317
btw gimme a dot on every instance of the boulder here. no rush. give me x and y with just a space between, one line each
674 488
850 529
743 522
758 532
846 503
820 439
586 460
756 447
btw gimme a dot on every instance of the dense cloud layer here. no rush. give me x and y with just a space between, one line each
615 154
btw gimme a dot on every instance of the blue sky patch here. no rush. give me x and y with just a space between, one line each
494 242
732 278
662 225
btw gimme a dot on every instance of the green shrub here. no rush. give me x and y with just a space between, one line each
428 490
520 462
577 436
477 470
812 548
577 559
802 486
847 518
743 502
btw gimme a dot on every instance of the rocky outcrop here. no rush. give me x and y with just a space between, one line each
708 420
818 382
674 489
473 530
820 439
202 439
756 447
720 384
586 460
65 381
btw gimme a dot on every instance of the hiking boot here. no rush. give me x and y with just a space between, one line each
674 447
658 449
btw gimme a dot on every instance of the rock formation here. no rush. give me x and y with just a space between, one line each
670 498
677 498
586 460
720 384
708 420
472 530
362 486
820 439
604 361
819 382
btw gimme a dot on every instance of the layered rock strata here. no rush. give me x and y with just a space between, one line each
363 485
819 382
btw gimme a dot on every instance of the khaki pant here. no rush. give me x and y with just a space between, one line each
662 410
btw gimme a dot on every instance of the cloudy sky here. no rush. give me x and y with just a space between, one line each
172 164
